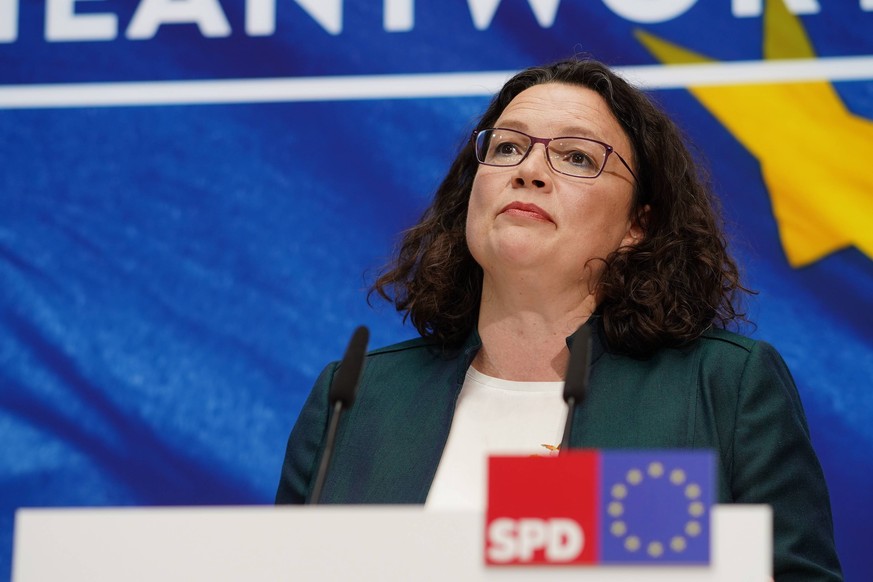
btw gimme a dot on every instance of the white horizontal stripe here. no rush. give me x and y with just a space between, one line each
342 88
859 68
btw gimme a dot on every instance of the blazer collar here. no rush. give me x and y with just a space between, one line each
598 341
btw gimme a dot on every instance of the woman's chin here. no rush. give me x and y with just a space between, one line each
512 255
507 250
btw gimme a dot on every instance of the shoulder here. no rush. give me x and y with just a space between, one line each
724 340
404 348
720 363
394 356
715 348
413 352
750 373
410 360
422 350
726 347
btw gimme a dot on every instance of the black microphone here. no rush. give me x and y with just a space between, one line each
341 396
576 380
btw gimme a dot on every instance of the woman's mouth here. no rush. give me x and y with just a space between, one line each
526 210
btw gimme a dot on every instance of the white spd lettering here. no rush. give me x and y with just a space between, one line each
513 540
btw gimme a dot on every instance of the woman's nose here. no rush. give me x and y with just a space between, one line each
534 171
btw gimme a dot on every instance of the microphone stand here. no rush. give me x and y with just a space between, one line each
576 379
341 396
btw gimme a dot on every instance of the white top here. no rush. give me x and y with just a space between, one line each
494 416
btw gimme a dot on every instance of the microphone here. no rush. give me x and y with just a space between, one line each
341 396
576 379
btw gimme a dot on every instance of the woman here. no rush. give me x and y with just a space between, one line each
530 236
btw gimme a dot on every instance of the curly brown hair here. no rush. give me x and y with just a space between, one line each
665 291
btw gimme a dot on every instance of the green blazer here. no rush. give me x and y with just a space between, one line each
724 392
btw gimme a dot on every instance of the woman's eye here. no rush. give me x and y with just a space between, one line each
506 149
580 159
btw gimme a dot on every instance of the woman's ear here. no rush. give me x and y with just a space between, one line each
636 231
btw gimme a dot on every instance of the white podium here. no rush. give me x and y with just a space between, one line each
379 543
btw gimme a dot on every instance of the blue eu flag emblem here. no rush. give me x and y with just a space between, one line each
655 506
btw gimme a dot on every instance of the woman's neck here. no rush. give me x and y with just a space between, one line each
524 335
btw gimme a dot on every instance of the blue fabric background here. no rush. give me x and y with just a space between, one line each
172 279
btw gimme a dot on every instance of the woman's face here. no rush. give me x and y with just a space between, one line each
529 219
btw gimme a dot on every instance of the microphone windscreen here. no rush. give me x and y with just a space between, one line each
576 380
345 382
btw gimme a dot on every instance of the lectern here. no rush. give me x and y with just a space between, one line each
384 543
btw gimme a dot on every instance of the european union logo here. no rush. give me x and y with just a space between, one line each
655 506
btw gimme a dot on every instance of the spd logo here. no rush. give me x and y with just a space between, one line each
592 507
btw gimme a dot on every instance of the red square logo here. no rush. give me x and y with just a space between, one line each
543 510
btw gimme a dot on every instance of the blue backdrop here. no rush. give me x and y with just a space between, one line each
175 271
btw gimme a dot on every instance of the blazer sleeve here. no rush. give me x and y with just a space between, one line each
774 463
305 442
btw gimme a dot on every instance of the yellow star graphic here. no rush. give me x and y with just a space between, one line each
812 149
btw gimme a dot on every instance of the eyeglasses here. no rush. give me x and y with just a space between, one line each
573 156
